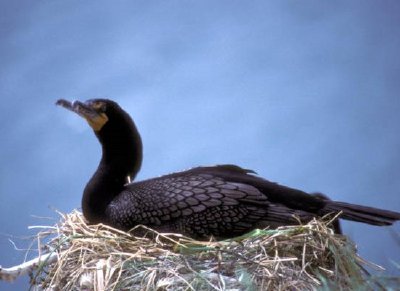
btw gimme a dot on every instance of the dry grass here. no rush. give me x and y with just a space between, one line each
98 257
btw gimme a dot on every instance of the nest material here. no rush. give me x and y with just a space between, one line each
98 257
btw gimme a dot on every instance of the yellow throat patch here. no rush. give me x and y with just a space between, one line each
97 122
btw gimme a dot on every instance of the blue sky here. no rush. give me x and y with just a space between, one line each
306 93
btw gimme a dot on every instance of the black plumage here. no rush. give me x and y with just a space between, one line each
221 201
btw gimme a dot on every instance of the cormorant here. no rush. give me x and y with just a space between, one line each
221 201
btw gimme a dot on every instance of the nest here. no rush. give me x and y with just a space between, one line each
98 257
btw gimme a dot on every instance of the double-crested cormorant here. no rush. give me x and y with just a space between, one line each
221 201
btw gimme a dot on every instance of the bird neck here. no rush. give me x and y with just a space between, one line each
121 158
122 151
100 191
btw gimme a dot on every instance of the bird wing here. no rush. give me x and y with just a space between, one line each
172 196
199 197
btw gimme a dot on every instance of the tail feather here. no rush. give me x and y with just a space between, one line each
370 215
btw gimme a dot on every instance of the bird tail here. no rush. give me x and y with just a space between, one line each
365 214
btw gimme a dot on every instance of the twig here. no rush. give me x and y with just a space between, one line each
10 274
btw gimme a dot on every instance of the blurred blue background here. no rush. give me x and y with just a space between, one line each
306 93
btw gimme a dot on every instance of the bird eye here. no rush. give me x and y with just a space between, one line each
99 106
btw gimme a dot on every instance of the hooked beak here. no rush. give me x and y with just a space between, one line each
95 119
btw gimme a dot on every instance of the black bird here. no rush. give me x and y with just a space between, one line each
221 201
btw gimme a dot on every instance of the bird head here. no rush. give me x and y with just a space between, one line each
93 110
115 130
